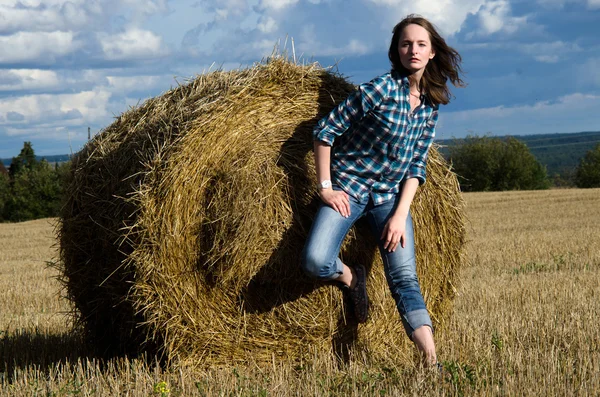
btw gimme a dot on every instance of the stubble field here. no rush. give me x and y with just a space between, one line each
524 320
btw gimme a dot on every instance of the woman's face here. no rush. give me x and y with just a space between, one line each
415 48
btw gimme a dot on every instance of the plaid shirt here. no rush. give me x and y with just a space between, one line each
378 141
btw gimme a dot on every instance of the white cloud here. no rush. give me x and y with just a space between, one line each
275 4
494 16
127 84
147 6
448 15
264 47
559 4
19 16
266 24
356 47
311 45
65 131
28 46
547 58
334 32
547 52
550 52
89 106
35 32
593 4
27 79
132 44
555 4
235 29
40 3
589 73
23 21
229 8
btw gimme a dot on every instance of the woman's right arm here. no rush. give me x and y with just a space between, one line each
336 199
354 108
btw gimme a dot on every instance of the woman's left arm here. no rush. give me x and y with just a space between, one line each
395 229
418 164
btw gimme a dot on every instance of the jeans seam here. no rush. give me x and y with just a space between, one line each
386 265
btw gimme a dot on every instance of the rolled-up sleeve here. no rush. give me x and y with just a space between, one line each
417 168
354 108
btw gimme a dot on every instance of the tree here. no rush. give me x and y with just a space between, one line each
4 193
25 160
35 188
491 164
35 193
588 171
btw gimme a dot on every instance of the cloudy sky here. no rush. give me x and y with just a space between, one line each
533 66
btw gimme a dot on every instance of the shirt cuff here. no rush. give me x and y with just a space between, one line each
416 172
325 135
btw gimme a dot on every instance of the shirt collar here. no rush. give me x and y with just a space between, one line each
400 78
404 82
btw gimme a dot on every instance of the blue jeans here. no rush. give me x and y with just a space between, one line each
320 255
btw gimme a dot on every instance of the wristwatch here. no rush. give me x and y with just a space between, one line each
326 184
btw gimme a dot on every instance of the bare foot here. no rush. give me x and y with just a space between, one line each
423 338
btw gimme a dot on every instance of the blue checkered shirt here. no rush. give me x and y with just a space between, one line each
378 141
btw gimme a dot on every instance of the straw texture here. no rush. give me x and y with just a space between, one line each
185 219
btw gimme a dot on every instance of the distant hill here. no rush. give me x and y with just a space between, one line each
57 158
560 153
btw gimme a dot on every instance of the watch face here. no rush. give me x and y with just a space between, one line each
325 184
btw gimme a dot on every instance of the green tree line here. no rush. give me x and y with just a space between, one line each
588 172
485 163
32 189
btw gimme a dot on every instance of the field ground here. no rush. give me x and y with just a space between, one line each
525 319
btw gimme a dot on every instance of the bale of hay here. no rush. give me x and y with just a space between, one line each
185 219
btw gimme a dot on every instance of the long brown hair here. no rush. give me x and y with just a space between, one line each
444 66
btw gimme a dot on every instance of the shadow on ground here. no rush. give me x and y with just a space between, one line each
26 349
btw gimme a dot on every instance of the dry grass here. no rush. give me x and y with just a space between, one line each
524 319
28 290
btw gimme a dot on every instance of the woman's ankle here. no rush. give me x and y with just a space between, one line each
347 277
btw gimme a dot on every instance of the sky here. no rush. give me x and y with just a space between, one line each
532 66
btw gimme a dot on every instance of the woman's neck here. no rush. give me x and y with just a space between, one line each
415 82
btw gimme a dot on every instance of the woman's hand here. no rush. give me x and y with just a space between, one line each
336 199
394 233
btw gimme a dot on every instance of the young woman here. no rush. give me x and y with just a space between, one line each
382 133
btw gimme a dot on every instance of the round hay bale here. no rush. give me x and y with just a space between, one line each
185 218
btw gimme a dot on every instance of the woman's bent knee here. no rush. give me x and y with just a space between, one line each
316 266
